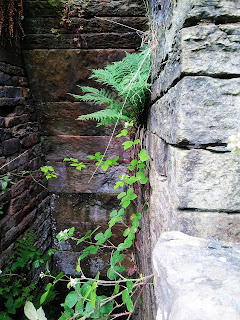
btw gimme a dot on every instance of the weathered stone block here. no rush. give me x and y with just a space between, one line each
107 8
218 225
218 11
169 182
86 41
193 51
196 278
198 111
10 146
55 73
70 180
204 180
80 147
60 118
69 208
43 25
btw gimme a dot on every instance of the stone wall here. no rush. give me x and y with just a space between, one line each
195 108
25 204
56 66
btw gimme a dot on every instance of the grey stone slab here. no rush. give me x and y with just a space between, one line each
163 214
215 10
211 49
205 49
204 180
198 111
182 34
196 279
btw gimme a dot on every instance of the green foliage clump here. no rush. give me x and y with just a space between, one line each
15 288
128 79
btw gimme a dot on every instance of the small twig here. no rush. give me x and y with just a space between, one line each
6 164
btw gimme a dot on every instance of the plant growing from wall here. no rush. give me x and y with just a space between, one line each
15 287
129 78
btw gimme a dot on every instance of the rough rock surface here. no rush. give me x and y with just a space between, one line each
198 111
196 279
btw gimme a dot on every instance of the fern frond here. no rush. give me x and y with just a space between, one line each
129 78
104 117
99 97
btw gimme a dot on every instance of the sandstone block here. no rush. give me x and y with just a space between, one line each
198 111
60 118
67 262
70 180
128 40
107 8
196 279
43 25
79 147
55 73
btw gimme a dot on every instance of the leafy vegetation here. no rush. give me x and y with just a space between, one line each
15 286
128 91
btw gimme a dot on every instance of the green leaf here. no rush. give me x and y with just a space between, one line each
108 233
98 236
129 285
121 195
93 298
118 184
48 286
113 213
105 167
136 141
126 232
107 308
134 162
71 231
44 297
91 157
71 299
59 276
113 221
127 144
129 304
143 155
144 181
123 133
124 295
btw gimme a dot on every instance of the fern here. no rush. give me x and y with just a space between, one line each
127 78
105 117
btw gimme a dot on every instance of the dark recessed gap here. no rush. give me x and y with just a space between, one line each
5 111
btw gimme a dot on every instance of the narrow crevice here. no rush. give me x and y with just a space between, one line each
175 81
232 212
214 147
194 21
224 76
